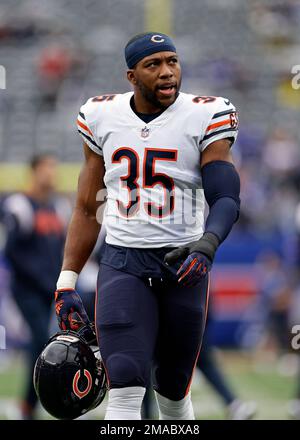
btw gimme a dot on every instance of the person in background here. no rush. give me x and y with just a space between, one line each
35 223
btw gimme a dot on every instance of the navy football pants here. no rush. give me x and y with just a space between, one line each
142 328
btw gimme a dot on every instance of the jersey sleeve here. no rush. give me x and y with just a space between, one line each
222 124
87 121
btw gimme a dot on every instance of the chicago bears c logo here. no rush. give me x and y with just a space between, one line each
157 39
88 387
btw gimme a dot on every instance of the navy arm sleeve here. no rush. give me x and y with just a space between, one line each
221 184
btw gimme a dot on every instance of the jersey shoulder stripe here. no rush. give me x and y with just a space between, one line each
89 140
218 124
87 119
222 124
226 112
226 130
86 133
83 127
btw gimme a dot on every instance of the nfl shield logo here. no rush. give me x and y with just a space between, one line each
145 132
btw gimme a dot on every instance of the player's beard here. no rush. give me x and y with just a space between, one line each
150 95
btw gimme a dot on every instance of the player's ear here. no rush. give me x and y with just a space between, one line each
131 76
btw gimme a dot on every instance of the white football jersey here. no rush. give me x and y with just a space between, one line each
153 177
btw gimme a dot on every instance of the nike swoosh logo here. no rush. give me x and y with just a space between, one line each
227 102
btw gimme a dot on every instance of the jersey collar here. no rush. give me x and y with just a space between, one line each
159 119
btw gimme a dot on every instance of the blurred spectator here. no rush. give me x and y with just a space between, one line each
275 300
54 65
250 140
254 196
281 155
220 73
276 22
35 221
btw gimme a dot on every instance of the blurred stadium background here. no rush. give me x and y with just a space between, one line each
57 54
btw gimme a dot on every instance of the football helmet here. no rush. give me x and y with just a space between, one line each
69 377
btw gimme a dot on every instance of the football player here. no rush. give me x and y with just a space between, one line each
159 153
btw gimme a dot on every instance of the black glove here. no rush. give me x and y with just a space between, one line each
198 257
70 312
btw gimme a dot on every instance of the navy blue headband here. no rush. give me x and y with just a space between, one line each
145 45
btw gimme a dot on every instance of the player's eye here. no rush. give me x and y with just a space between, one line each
152 64
173 60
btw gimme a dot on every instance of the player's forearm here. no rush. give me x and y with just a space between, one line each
82 236
221 185
222 216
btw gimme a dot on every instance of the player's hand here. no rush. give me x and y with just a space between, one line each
70 312
197 259
193 269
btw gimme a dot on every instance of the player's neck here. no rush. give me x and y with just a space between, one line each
141 105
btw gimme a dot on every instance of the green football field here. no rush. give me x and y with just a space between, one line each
262 381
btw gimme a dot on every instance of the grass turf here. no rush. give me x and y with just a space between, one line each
254 380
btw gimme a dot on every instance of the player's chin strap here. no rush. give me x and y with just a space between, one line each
206 245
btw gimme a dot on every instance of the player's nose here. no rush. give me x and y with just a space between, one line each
165 71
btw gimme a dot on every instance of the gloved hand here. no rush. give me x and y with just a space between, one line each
194 267
198 257
70 312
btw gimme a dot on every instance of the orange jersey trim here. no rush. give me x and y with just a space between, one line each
218 124
85 127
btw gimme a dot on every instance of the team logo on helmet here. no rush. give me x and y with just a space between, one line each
157 39
88 387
